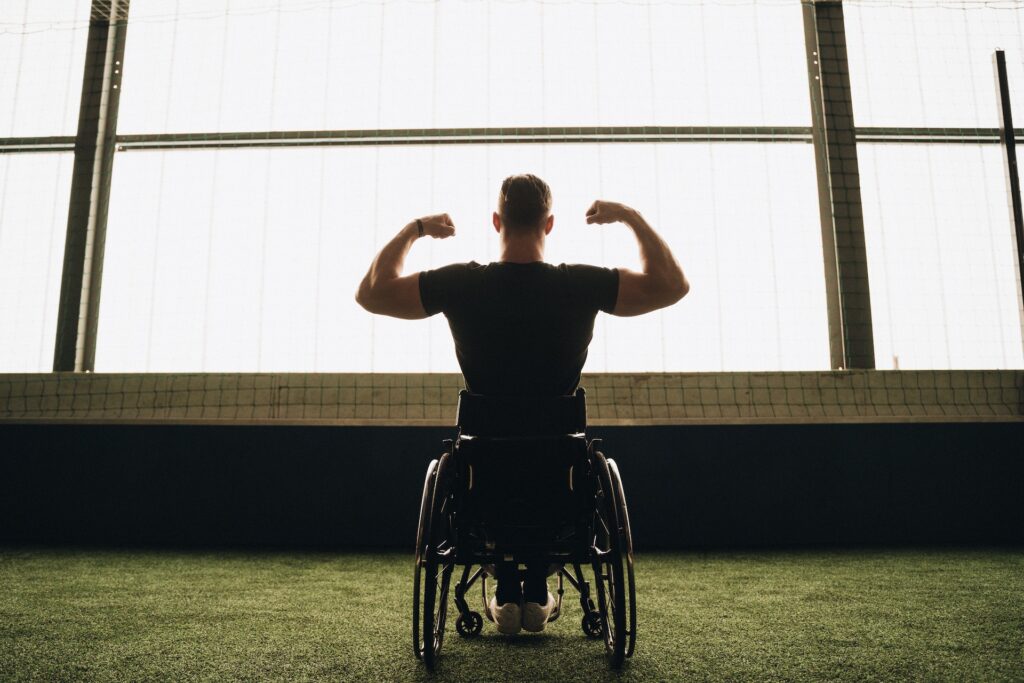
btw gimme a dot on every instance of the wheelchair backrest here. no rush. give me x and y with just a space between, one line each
524 470
521 416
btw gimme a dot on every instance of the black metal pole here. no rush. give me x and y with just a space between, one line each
78 312
1009 141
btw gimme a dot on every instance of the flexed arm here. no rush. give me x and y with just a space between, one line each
384 290
662 282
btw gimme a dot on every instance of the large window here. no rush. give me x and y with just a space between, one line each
929 64
42 52
33 218
944 290
250 65
249 259
227 250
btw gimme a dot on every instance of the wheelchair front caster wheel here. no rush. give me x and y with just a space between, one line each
469 624
592 625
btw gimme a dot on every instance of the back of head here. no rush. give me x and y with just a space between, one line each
524 202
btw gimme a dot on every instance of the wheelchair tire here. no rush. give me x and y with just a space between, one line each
627 534
608 568
470 624
425 502
438 563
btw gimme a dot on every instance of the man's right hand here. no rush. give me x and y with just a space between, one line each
603 212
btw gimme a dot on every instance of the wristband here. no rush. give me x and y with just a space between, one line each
419 226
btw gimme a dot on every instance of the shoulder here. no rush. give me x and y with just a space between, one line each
452 270
585 270
442 288
597 287
459 267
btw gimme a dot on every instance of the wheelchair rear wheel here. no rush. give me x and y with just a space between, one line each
434 568
627 535
608 567
421 534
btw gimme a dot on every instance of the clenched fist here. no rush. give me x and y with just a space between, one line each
438 226
607 212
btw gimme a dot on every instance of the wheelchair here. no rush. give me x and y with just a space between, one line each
521 482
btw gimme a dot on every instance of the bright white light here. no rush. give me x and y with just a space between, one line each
944 290
255 65
927 66
33 220
249 259
42 55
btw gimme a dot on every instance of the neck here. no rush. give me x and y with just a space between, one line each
522 250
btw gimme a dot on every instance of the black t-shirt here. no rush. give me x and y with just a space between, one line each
520 328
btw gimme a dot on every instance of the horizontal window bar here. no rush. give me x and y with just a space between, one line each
64 143
931 135
467 136
411 136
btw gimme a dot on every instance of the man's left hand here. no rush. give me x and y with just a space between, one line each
438 226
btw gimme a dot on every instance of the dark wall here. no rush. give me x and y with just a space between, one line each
692 486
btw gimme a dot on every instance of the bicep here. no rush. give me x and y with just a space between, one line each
638 294
398 298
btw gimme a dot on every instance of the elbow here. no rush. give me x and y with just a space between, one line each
665 293
684 289
679 289
363 299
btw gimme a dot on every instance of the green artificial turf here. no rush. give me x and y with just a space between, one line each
130 616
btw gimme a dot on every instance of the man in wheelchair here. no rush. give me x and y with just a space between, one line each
522 328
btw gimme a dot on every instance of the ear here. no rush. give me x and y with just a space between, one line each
496 219
549 224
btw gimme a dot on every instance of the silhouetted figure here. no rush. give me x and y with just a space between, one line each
522 326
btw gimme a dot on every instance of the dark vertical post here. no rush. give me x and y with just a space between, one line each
1009 141
847 292
75 347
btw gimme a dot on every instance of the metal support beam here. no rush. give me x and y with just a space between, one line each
463 136
78 312
1008 138
847 293
484 136
56 143
931 136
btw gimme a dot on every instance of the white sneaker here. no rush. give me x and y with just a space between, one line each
508 617
536 615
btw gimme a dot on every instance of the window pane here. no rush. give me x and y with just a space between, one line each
919 64
944 287
249 260
42 58
34 192
253 65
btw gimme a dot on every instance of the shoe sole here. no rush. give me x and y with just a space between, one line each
504 632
